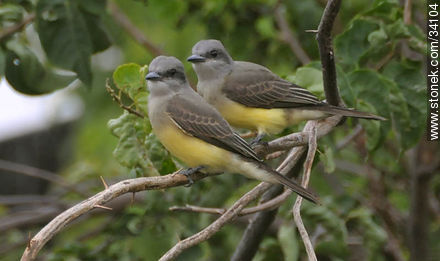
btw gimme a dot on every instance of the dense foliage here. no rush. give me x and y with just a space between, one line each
379 60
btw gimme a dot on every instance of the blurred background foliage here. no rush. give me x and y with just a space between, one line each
371 186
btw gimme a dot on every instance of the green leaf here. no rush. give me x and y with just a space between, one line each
159 156
309 78
411 85
131 151
11 13
27 75
351 44
289 242
23 70
130 78
373 95
69 35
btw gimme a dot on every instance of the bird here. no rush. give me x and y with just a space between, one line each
250 96
196 133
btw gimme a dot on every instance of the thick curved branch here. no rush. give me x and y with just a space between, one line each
98 200
324 38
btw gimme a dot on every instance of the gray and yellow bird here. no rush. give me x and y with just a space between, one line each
250 96
196 133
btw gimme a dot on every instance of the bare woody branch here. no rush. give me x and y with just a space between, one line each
305 181
326 53
287 35
268 205
39 173
132 30
100 199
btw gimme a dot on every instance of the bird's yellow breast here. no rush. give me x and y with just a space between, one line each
192 151
261 120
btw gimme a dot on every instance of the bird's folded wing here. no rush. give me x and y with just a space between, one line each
200 120
259 88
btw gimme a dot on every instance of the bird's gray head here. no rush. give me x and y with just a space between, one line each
210 59
166 72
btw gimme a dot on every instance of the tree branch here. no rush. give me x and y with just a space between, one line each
287 35
117 98
325 45
125 186
39 173
305 181
268 205
132 30
16 27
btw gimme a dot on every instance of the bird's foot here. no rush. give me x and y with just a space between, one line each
188 172
258 141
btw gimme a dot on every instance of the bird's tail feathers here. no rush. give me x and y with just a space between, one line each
336 110
291 184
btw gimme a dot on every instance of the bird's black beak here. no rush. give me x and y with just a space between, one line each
196 58
152 76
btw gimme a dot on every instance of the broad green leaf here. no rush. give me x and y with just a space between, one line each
345 88
410 83
23 70
158 155
10 13
378 37
371 87
309 78
131 152
130 78
69 35
351 44
289 242
27 75
373 95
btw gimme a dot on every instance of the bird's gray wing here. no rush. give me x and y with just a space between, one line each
256 86
197 118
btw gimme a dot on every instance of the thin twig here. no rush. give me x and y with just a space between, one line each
39 173
350 137
326 53
132 30
117 98
16 27
287 35
407 12
297 207
268 205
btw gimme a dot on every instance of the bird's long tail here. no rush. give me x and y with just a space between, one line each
294 186
335 110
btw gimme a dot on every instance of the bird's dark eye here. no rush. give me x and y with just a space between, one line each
213 53
172 72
